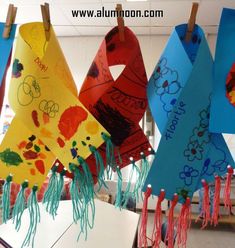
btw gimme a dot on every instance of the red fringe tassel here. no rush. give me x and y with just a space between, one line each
205 205
157 228
143 228
170 225
184 223
216 202
227 190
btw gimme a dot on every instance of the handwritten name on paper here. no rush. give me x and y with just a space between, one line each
40 64
177 114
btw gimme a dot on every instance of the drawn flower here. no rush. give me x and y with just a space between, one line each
200 135
216 161
188 174
160 69
167 84
205 116
194 151
168 102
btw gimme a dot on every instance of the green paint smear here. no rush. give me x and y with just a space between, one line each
74 143
37 148
10 158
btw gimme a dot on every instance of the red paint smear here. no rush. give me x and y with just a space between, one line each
70 121
60 142
22 144
35 118
33 172
30 155
46 118
40 166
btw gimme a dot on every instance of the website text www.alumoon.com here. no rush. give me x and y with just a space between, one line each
113 13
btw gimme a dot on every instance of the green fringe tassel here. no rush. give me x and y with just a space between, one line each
137 186
110 156
20 206
144 169
119 199
74 193
6 199
87 190
60 187
127 194
51 195
119 156
99 168
34 214
82 194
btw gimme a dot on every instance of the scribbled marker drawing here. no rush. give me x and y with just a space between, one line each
28 90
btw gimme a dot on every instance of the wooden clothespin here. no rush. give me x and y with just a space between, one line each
46 19
191 22
11 15
120 22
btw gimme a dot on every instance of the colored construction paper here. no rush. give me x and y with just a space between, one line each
119 104
26 158
179 93
43 96
222 116
5 58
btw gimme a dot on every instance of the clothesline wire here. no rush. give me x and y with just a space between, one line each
131 26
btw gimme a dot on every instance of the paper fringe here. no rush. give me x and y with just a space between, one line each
205 205
110 155
169 239
119 198
74 192
82 195
216 202
99 167
227 190
51 195
144 169
34 215
6 199
143 226
157 228
184 223
20 206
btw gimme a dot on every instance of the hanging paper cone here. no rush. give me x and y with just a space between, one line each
143 225
63 124
188 151
123 100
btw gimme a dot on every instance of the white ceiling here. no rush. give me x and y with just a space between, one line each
175 12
